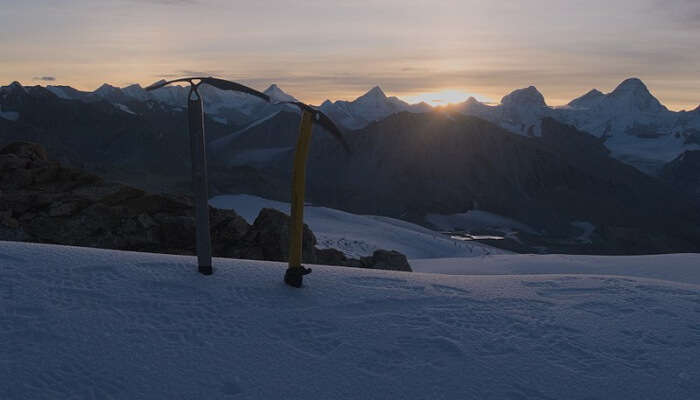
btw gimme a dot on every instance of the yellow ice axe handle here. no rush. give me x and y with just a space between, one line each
296 228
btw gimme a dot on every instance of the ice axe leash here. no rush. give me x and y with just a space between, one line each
195 113
294 276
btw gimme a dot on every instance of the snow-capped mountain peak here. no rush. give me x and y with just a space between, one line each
136 91
633 94
587 100
371 106
133 88
631 84
528 96
106 87
109 92
16 87
376 93
472 106
16 84
471 100
275 93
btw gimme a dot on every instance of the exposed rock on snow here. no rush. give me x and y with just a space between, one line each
62 205
44 202
387 259
381 259
268 239
359 236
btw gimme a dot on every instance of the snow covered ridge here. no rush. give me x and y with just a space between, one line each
636 127
89 323
360 235
682 268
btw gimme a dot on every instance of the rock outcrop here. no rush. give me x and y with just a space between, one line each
380 259
268 239
42 201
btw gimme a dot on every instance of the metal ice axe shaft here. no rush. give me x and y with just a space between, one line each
200 183
296 228
295 271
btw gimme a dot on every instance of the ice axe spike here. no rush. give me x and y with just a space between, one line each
295 272
199 158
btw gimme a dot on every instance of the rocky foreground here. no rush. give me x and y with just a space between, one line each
45 202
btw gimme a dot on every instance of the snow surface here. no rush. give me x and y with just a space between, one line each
476 220
277 94
639 130
9 115
683 268
371 106
86 323
222 143
359 235
124 108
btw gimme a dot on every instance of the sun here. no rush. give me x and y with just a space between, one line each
442 98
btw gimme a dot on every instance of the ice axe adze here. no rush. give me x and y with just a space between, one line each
294 275
199 158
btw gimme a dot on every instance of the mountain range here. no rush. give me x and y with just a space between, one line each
632 123
600 160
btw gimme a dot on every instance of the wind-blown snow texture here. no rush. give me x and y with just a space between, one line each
360 235
87 323
684 268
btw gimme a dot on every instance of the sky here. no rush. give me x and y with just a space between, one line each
340 49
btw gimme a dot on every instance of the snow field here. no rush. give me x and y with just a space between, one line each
88 323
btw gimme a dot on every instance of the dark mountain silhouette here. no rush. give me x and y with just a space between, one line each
406 165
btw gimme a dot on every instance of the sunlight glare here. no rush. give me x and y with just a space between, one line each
443 97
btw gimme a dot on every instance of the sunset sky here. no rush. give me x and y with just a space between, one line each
327 49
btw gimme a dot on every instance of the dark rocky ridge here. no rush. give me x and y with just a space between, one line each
404 166
42 201
684 173
409 165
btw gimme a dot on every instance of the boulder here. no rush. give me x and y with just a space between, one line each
43 201
268 239
386 259
330 257
26 150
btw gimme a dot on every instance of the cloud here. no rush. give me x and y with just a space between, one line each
189 72
166 2
44 78
685 14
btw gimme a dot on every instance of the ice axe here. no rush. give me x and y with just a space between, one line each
294 275
199 158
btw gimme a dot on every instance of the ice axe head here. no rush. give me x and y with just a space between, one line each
216 82
322 119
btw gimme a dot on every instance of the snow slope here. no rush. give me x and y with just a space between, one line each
360 235
475 220
683 268
371 106
86 323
